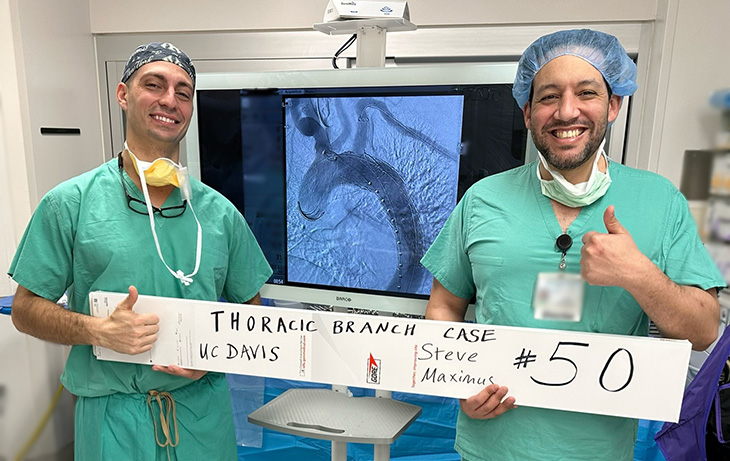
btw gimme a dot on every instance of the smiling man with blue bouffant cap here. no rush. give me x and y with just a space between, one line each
622 240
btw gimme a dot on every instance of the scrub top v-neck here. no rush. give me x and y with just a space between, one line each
498 239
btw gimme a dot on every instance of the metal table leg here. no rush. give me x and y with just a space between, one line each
381 452
339 451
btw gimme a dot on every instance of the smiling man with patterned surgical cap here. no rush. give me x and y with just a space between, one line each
622 240
138 224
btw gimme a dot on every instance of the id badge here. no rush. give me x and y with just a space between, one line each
558 296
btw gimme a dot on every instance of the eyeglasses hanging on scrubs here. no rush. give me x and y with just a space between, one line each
162 172
140 206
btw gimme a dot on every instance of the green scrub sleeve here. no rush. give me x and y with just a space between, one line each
687 260
42 262
248 269
447 258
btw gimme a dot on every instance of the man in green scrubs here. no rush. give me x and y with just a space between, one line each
626 236
154 233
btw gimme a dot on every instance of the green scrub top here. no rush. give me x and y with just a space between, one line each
83 237
501 235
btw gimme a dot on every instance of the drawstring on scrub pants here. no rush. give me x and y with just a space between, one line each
165 409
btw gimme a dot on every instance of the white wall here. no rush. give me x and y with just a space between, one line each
14 191
30 373
47 78
226 15
700 64
61 82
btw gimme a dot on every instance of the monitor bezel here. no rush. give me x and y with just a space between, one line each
492 73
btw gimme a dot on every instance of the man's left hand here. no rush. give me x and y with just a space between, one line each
610 259
178 371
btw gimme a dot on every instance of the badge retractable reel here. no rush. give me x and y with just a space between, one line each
563 242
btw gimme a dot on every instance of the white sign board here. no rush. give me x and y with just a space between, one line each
585 372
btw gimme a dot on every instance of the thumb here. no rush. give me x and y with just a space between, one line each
612 224
128 302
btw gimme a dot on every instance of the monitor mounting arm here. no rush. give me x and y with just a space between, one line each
370 20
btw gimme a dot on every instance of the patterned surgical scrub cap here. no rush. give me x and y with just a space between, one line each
156 51
601 50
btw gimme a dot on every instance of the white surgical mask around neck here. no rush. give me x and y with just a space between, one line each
575 195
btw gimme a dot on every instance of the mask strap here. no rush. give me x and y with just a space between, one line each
139 165
559 178
185 279
198 243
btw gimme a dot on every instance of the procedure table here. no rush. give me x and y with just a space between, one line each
336 416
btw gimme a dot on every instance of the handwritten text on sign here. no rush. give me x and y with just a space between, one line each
593 373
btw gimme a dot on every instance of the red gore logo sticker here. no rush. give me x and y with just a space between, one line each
373 376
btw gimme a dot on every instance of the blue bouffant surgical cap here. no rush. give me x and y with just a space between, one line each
156 51
601 50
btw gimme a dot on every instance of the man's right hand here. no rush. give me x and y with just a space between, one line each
489 403
126 331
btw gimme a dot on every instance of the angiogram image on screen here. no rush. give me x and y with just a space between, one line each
370 181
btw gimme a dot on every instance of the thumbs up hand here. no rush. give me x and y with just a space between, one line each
126 331
611 223
610 259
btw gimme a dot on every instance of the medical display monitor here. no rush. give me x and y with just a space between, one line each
346 176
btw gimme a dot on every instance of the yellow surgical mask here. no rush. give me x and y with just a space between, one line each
161 172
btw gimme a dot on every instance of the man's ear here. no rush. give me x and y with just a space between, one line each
527 113
122 92
614 105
